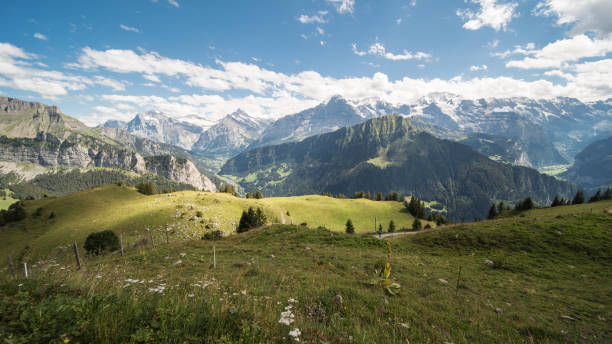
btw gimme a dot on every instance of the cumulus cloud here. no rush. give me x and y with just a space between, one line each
317 18
584 15
18 70
478 68
40 36
491 13
343 6
559 53
174 3
379 49
128 28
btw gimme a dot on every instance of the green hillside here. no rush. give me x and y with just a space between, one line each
388 154
540 277
124 210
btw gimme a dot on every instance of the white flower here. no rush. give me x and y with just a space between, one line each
243 292
292 300
295 334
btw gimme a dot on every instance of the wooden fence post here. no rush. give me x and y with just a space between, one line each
121 242
214 258
11 266
167 239
151 236
458 278
76 255
25 269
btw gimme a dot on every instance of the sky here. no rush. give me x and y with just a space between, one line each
101 60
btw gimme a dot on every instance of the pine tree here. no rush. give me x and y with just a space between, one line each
258 195
350 229
578 198
391 227
596 197
607 195
379 196
417 225
500 207
492 212
556 202
380 229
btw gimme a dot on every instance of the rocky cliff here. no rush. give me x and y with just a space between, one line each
179 170
48 150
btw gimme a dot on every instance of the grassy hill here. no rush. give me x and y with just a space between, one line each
123 210
539 277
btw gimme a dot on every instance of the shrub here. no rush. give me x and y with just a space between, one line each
15 213
427 226
251 219
350 229
99 242
146 188
525 204
417 225
391 227
51 216
304 224
213 235
199 213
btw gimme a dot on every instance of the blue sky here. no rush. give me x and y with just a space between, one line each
101 60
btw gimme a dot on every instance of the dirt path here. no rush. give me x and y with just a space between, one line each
386 235
282 218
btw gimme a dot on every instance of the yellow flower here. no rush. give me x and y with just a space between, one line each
66 340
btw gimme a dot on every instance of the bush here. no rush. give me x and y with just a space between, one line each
417 225
391 227
199 213
146 188
350 229
213 235
51 216
15 213
99 242
251 219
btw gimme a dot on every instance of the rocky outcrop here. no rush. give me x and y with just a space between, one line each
48 150
179 170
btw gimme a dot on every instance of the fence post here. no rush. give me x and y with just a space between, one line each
151 236
25 269
76 255
214 258
458 278
11 266
121 242
167 239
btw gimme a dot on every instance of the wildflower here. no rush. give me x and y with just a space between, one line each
243 292
66 340
292 300
295 334
191 295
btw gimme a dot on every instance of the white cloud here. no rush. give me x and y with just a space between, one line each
17 71
343 6
491 13
478 68
493 44
40 36
584 15
398 21
561 52
128 28
174 3
317 18
320 30
379 49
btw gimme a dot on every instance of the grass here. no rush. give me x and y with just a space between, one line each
549 281
5 203
126 211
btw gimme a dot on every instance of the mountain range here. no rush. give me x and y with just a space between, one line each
41 135
388 154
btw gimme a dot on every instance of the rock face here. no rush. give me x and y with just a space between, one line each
48 150
592 168
179 170
229 136
159 127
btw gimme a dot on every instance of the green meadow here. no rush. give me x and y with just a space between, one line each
543 276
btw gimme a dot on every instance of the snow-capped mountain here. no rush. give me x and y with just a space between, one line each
231 135
160 127
547 132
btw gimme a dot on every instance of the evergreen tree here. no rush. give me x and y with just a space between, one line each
146 188
380 229
350 229
379 196
391 228
556 202
492 212
417 225
578 198
500 207
607 195
258 195
249 195
525 204
596 197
